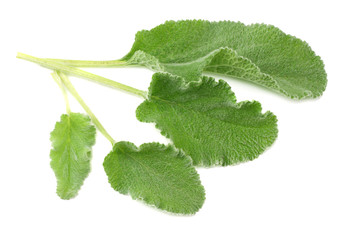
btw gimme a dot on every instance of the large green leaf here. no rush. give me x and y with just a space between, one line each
203 119
72 140
258 53
157 174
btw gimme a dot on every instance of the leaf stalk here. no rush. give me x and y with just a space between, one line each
81 73
59 82
76 95
91 64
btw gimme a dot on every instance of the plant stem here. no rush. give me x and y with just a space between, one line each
58 80
81 73
86 63
76 95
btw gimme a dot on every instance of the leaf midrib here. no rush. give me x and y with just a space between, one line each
205 114
70 150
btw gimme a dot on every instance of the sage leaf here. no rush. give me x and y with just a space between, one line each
258 53
72 140
204 120
159 175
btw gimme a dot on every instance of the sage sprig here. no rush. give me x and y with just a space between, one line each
199 114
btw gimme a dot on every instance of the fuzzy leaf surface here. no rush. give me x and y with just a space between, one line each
72 140
159 175
258 53
204 120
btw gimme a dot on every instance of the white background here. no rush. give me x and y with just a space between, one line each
306 186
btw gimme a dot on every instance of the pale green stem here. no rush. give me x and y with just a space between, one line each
86 63
81 73
76 95
57 79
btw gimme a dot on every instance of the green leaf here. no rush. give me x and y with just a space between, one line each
157 174
203 119
257 53
72 140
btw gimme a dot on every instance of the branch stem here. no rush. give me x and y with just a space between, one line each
76 95
81 73
59 82
86 63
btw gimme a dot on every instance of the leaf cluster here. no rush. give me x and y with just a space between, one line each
200 115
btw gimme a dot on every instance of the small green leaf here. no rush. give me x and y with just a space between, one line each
258 53
157 174
72 140
203 119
